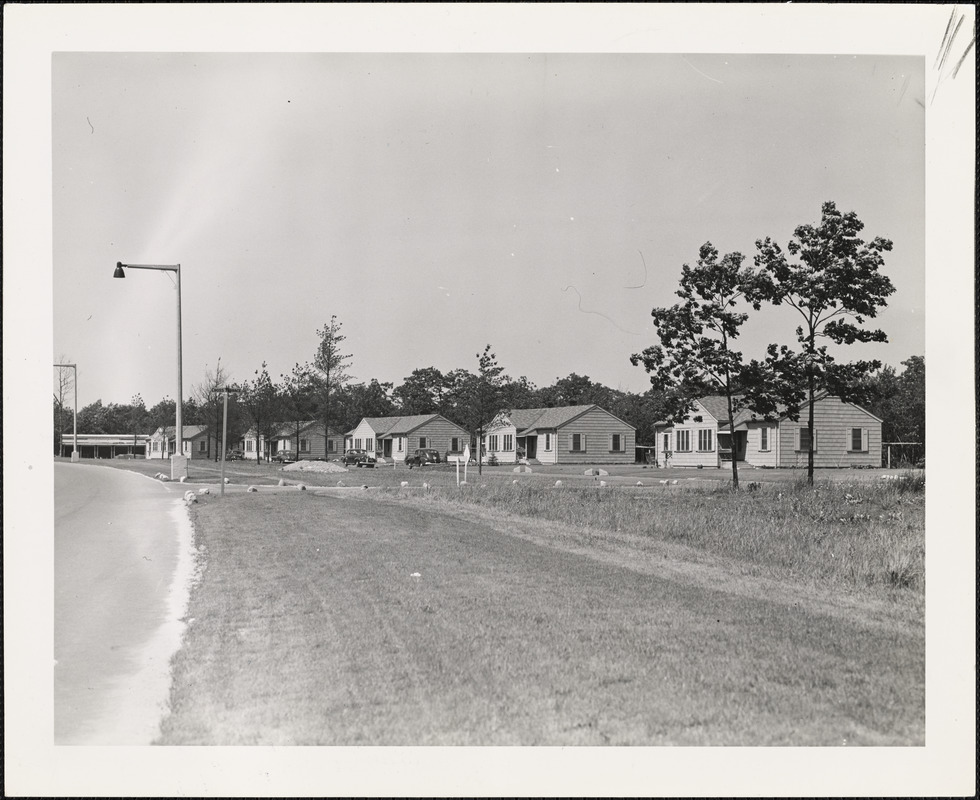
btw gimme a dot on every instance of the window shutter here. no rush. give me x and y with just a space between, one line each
796 438
585 446
864 440
815 442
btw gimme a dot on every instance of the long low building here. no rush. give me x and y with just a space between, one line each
105 445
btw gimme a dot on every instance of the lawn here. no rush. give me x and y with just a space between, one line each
403 615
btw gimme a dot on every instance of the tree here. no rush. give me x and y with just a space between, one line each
359 400
900 401
64 388
576 390
297 392
210 401
482 398
695 355
834 286
261 403
330 368
421 392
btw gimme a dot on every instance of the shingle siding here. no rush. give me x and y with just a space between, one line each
833 421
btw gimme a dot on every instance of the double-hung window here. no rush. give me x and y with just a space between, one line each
859 440
369 445
423 442
203 445
494 443
547 442
764 439
508 442
578 443
803 440
454 444
616 443
706 440
683 441
304 445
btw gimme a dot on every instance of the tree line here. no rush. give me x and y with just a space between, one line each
827 274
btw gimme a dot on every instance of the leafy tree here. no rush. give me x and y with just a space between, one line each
262 405
372 399
695 356
576 390
900 401
519 394
421 392
452 403
642 410
330 368
834 285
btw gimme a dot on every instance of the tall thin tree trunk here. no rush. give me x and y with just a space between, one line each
731 428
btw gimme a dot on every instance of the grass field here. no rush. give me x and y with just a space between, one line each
526 613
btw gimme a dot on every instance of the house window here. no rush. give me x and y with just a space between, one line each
454 444
494 443
616 444
304 445
578 443
683 441
547 442
423 442
803 440
401 444
250 445
331 446
358 443
705 440
508 442
203 445
666 443
369 445
859 440
764 439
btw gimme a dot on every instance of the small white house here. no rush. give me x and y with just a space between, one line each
563 435
198 443
396 438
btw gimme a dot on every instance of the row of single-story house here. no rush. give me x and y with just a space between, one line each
569 434
844 435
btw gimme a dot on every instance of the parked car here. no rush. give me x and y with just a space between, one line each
422 457
234 455
284 456
360 458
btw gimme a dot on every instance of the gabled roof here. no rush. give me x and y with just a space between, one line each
189 431
399 426
529 420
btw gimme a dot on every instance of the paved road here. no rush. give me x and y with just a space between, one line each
117 550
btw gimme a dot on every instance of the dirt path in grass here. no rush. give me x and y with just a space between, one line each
338 618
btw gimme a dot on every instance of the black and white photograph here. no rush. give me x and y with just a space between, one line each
489 400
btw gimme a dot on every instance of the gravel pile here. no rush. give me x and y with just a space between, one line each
314 466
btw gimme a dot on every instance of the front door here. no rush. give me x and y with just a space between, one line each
386 448
531 446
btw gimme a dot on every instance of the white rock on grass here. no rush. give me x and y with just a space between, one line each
205 490
602 483
301 487
639 483
190 497
164 478
282 482
404 484
425 486
558 483
252 489
183 479
227 480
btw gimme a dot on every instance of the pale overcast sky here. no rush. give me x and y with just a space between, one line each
542 203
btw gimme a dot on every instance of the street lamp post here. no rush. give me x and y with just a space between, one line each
178 462
224 434
74 434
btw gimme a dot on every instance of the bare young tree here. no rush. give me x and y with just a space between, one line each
208 396
64 388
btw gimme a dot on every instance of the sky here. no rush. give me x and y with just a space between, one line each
391 191
542 203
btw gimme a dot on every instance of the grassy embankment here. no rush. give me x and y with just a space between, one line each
861 534
343 616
